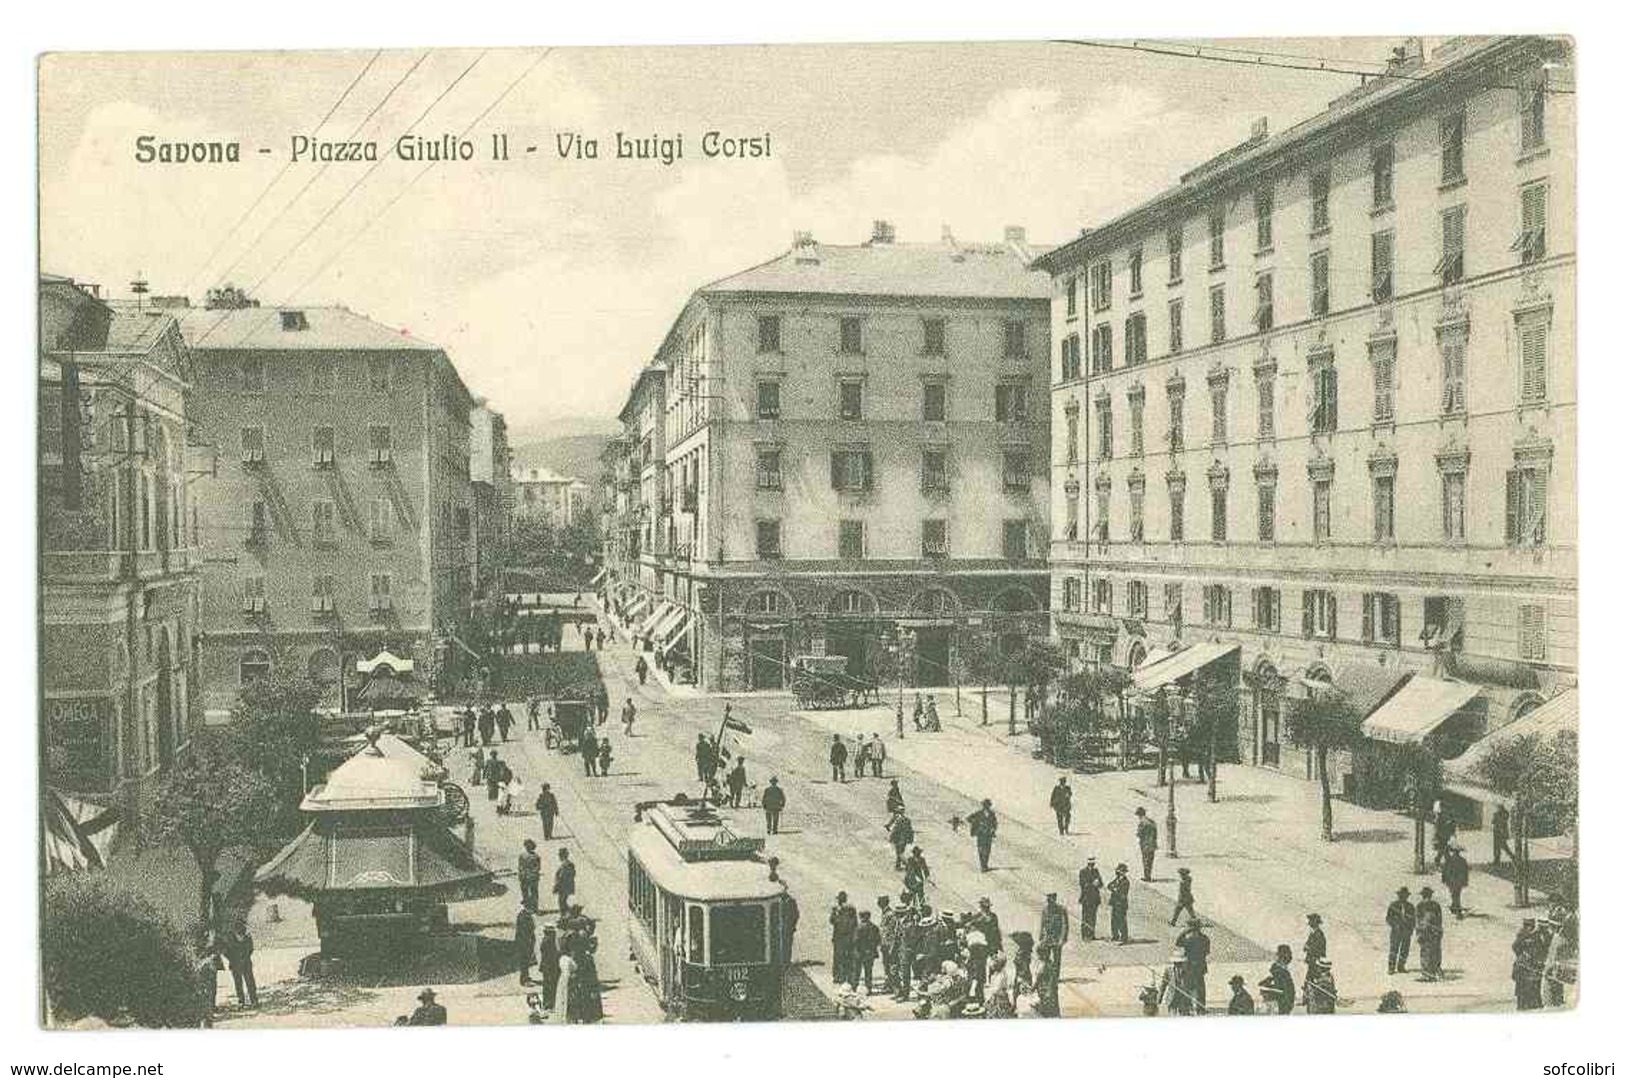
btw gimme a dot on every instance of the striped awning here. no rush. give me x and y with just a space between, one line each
1154 675
675 634
662 620
1420 707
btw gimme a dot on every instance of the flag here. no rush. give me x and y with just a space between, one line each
731 723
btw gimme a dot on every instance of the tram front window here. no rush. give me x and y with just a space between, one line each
738 934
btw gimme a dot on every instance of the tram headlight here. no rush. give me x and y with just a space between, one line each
739 990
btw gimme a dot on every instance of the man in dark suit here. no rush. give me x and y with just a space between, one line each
428 1013
1401 918
524 943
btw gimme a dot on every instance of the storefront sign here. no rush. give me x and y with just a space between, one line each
76 731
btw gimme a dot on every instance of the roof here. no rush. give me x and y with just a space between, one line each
388 776
1365 686
949 269
1180 664
1417 709
1558 715
132 330
327 329
333 855
741 880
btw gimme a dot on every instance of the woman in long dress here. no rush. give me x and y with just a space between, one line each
1001 1000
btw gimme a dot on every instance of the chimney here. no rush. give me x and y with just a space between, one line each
883 232
1260 130
806 249
1015 234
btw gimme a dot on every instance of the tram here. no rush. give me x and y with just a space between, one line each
710 924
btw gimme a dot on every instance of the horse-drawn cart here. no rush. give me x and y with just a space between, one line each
570 719
821 681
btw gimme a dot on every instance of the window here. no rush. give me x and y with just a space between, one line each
1322 492
851 336
1136 259
851 540
1382 176
1071 357
935 343
378 373
1015 540
1100 285
1453 244
768 333
1526 506
1219 503
1267 609
1134 339
1072 297
1320 284
253 374
1266 406
1100 599
767 400
1532 357
378 441
851 399
766 602
259 524
1176 512
1100 349
1072 436
1454 498
1010 402
324 528
1176 422
1017 471
1379 618
252 666
1532 113
1072 512
1071 593
1219 391
1176 253
934 538
381 520
767 540
1264 314
378 593
1215 238
934 470
1382 267
1266 512
1136 514
1103 514
1451 136
1264 217
1382 381
851 470
1532 632
1216 605
1320 202
1319 613
738 934
1015 340
696 934
1323 399
253 445
1139 599
1176 326
1382 508
1531 243
1173 604
934 402
1103 424
1136 424
769 469
323 592
322 446
254 594
1453 354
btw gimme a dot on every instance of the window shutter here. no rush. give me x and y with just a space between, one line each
835 470
1331 615
1308 613
1368 619
1536 509
868 471
1512 506
1534 362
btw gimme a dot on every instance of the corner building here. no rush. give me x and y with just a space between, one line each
1318 402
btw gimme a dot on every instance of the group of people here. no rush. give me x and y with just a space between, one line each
565 953
488 722
233 950
868 758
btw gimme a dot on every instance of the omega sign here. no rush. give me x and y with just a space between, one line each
76 733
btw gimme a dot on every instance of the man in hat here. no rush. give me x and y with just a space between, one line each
915 874
1401 918
908 939
877 756
1053 930
984 824
1319 990
866 948
1187 898
773 804
890 930
1454 874
1314 946
564 880
1060 802
1501 829
1528 965
1196 945
1145 833
547 964
1241 1001
1277 989
843 931
530 876
837 759
493 775
524 943
547 807
1090 884
428 1013
1430 934
988 921
1117 901
894 799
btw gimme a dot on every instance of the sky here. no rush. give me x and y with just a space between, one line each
551 281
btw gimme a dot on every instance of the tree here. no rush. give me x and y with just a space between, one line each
1114 683
107 952
1215 703
276 729
1322 722
980 660
1540 774
210 801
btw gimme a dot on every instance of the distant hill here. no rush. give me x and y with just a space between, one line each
573 454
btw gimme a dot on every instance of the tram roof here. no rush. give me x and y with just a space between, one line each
705 881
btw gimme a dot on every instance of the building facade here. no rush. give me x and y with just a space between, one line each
339 518
649 508
118 547
542 494
489 473
855 459
1318 401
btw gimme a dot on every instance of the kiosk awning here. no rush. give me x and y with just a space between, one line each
385 658
1180 664
1417 709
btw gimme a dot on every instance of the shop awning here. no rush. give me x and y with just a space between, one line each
675 635
1180 664
1561 714
636 605
1417 709
662 620
332 855
662 610
385 658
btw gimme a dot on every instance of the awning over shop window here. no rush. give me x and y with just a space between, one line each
385 658
636 605
1183 663
1417 709
675 635
661 612
663 620
1555 716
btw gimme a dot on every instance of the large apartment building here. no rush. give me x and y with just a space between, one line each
1316 409
855 456
339 520
490 464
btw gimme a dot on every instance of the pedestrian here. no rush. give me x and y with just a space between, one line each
1117 901
1023 980
605 755
900 832
919 712
468 729
908 947
837 760
530 876
1314 945
1430 935
736 782
239 952
984 825
429 1012
599 642
492 775
1174 991
1001 1001
603 704
843 932
641 668
488 724
1501 829
1145 833
860 762
1444 836
504 798
1319 989
1060 803
1401 918
586 638
894 799
1277 989
1187 898
1090 884
589 751
773 804
629 714
703 756
915 874
1053 931
1454 874
1196 945
877 756
564 880
1529 950
976 950
567 981
890 931
988 922
547 807
1241 1001
504 721
591 1009
932 722
533 714
524 943
547 965
866 944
